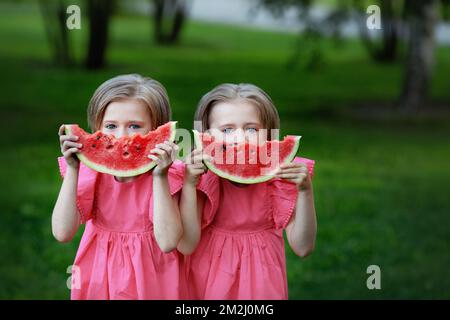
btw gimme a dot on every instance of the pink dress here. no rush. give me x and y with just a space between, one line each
118 257
241 252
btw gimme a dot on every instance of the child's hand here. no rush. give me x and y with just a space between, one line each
297 173
165 155
69 147
194 166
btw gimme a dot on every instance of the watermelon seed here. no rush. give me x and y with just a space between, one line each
93 146
109 146
126 154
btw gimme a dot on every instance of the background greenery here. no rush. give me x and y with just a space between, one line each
381 182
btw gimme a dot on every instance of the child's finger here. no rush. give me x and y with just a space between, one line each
197 165
173 154
67 137
192 158
70 152
200 158
292 170
205 157
292 165
304 170
290 175
173 145
154 158
70 144
162 155
170 144
165 147
63 138
61 130
159 151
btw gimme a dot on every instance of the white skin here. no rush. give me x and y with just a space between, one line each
123 117
238 121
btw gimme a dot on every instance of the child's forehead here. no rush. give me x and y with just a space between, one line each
126 109
240 111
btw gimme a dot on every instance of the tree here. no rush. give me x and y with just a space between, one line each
169 18
309 46
54 16
421 19
386 49
99 13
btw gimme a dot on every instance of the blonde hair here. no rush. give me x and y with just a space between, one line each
229 92
130 86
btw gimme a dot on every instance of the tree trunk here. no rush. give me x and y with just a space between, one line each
169 18
66 57
386 51
420 58
54 15
99 12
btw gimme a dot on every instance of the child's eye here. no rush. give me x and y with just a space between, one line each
110 126
251 130
227 130
135 126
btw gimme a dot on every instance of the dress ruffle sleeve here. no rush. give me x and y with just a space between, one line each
208 185
283 196
87 179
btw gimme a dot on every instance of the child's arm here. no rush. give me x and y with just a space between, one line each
166 214
191 204
302 229
65 216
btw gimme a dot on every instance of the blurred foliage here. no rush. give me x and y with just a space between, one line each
411 22
309 48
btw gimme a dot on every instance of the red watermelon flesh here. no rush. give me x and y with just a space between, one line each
123 157
246 162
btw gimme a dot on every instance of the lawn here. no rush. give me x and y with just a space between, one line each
381 187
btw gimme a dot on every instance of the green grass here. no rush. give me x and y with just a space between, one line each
381 187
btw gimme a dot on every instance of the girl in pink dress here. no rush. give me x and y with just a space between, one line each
132 224
233 233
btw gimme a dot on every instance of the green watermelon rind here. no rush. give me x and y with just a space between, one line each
234 178
122 173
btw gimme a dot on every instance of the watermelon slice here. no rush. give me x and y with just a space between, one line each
245 162
123 157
